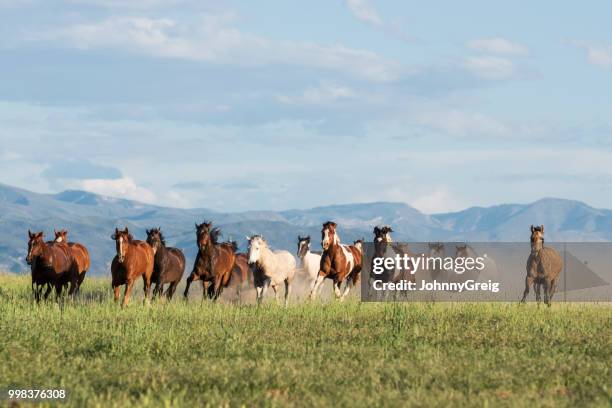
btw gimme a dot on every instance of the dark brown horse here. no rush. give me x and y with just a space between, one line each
169 264
384 247
214 262
341 263
134 259
79 253
51 265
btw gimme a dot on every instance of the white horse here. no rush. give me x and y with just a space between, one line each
274 268
310 262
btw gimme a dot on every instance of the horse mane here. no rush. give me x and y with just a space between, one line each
162 238
214 235
233 244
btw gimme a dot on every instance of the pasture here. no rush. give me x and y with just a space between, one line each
308 354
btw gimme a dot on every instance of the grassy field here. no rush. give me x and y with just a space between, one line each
311 354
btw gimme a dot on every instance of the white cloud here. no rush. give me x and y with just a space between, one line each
213 39
498 45
461 123
488 67
597 54
439 200
321 95
120 188
364 11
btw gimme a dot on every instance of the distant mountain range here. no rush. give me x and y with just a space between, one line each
91 219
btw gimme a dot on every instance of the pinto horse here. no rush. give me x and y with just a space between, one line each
79 253
51 265
134 259
341 263
214 263
169 264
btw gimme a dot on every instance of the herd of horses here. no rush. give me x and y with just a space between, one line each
60 264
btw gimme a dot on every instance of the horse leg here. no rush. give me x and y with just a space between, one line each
316 285
146 280
47 292
347 288
117 292
552 289
287 291
58 290
264 289
128 290
74 282
259 294
528 283
171 289
189 280
156 290
337 291
546 285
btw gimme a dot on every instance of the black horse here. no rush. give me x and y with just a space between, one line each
169 264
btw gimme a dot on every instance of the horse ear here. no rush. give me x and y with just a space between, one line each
147 231
126 230
30 233
532 228
247 237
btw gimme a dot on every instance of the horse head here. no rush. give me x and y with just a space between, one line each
122 240
35 245
537 238
359 244
61 236
256 244
328 235
155 239
203 234
303 246
382 234
436 249
461 251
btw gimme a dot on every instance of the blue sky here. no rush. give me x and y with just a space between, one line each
237 105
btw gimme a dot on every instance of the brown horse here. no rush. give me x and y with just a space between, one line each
169 264
134 259
214 262
242 274
51 265
341 263
79 253
543 267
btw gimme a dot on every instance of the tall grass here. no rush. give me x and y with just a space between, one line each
309 354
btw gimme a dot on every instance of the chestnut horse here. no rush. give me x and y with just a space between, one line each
169 264
134 259
242 274
341 263
79 253
51 265
214 263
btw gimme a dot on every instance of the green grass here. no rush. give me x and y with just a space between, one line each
310 354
